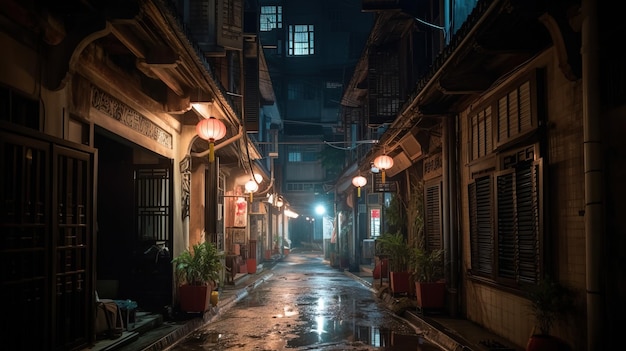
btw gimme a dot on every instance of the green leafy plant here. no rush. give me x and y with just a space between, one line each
395 247
199 266
549 301
427 266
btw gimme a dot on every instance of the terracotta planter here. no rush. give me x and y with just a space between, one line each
381 270
194 298
430 295
542 342
251 263
400 282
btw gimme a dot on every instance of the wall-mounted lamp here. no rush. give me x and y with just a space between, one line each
211 129
251 187
383 162
279 202
358 182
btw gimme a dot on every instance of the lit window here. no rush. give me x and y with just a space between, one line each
295 157
271 18
301 40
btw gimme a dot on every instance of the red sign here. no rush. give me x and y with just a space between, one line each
375 213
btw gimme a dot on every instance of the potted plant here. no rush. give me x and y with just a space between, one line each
430 288
549 302
197 274
394 247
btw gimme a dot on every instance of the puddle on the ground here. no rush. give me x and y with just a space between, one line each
325 331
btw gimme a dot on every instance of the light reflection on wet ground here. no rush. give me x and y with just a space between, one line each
308 308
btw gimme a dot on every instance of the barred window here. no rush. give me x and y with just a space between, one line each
271 18
301 40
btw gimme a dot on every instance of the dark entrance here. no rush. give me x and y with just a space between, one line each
134 223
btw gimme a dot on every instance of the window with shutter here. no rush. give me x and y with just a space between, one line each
504 202
481 226
481 132
432 216
514 114
518 222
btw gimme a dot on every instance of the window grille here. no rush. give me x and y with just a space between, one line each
301 40
271 18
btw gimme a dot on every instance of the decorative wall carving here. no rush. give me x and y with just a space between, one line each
116 109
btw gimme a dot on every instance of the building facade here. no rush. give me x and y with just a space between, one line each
104 177
507 144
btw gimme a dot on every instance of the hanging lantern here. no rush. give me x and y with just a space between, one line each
211 129
358 182
383 162
251 187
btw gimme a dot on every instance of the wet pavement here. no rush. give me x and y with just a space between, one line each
151 333
307 305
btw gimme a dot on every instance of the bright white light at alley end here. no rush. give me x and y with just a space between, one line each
320 210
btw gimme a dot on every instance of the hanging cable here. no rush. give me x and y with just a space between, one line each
443 29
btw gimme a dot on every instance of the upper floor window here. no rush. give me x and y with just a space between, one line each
271 18
301 40
303 153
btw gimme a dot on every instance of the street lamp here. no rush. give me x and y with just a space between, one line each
251 187
320 210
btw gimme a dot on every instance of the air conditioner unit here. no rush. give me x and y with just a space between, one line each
411 146
400 162
368 248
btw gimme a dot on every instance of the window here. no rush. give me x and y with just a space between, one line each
514 113
153 203
271 18
303 153
505 198
505 239
301 40
295 157
384 86
482 144
304 187
374 222
432 216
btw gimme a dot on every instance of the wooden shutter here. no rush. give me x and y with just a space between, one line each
252 95
481 226
506 221
230 24
432 224
528 220
518 204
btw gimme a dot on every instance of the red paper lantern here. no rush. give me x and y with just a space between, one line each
211 129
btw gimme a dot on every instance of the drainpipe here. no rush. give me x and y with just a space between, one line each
450 229
594 176
220 145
